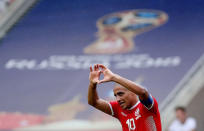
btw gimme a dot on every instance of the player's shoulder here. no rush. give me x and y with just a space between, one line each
155 100
114 103
191 120
174 124
115 108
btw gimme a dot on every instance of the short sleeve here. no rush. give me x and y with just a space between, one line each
114 108
192 123
173 126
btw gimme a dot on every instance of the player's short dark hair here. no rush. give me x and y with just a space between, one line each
180 108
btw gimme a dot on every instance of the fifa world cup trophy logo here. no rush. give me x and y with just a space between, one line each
117 30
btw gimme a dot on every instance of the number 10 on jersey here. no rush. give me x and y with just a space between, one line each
131 124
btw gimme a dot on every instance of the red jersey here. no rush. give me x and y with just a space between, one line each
138 118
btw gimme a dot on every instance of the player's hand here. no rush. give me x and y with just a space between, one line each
108 74
94 74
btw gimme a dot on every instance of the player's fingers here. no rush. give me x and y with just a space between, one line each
101 81
97 68
91 69
102 66
99 73
94 67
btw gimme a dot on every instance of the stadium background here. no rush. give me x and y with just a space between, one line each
44 70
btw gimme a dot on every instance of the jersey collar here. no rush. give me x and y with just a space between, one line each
134 105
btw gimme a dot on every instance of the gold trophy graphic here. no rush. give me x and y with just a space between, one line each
117 30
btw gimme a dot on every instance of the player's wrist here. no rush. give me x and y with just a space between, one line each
92 83
115 77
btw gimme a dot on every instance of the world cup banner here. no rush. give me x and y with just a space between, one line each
45 58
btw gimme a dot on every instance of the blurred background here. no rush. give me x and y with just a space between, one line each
47 46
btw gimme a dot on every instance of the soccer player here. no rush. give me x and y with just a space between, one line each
134 107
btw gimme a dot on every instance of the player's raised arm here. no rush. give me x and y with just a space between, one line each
143 94
93 98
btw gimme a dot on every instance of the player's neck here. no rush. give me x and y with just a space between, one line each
183 121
